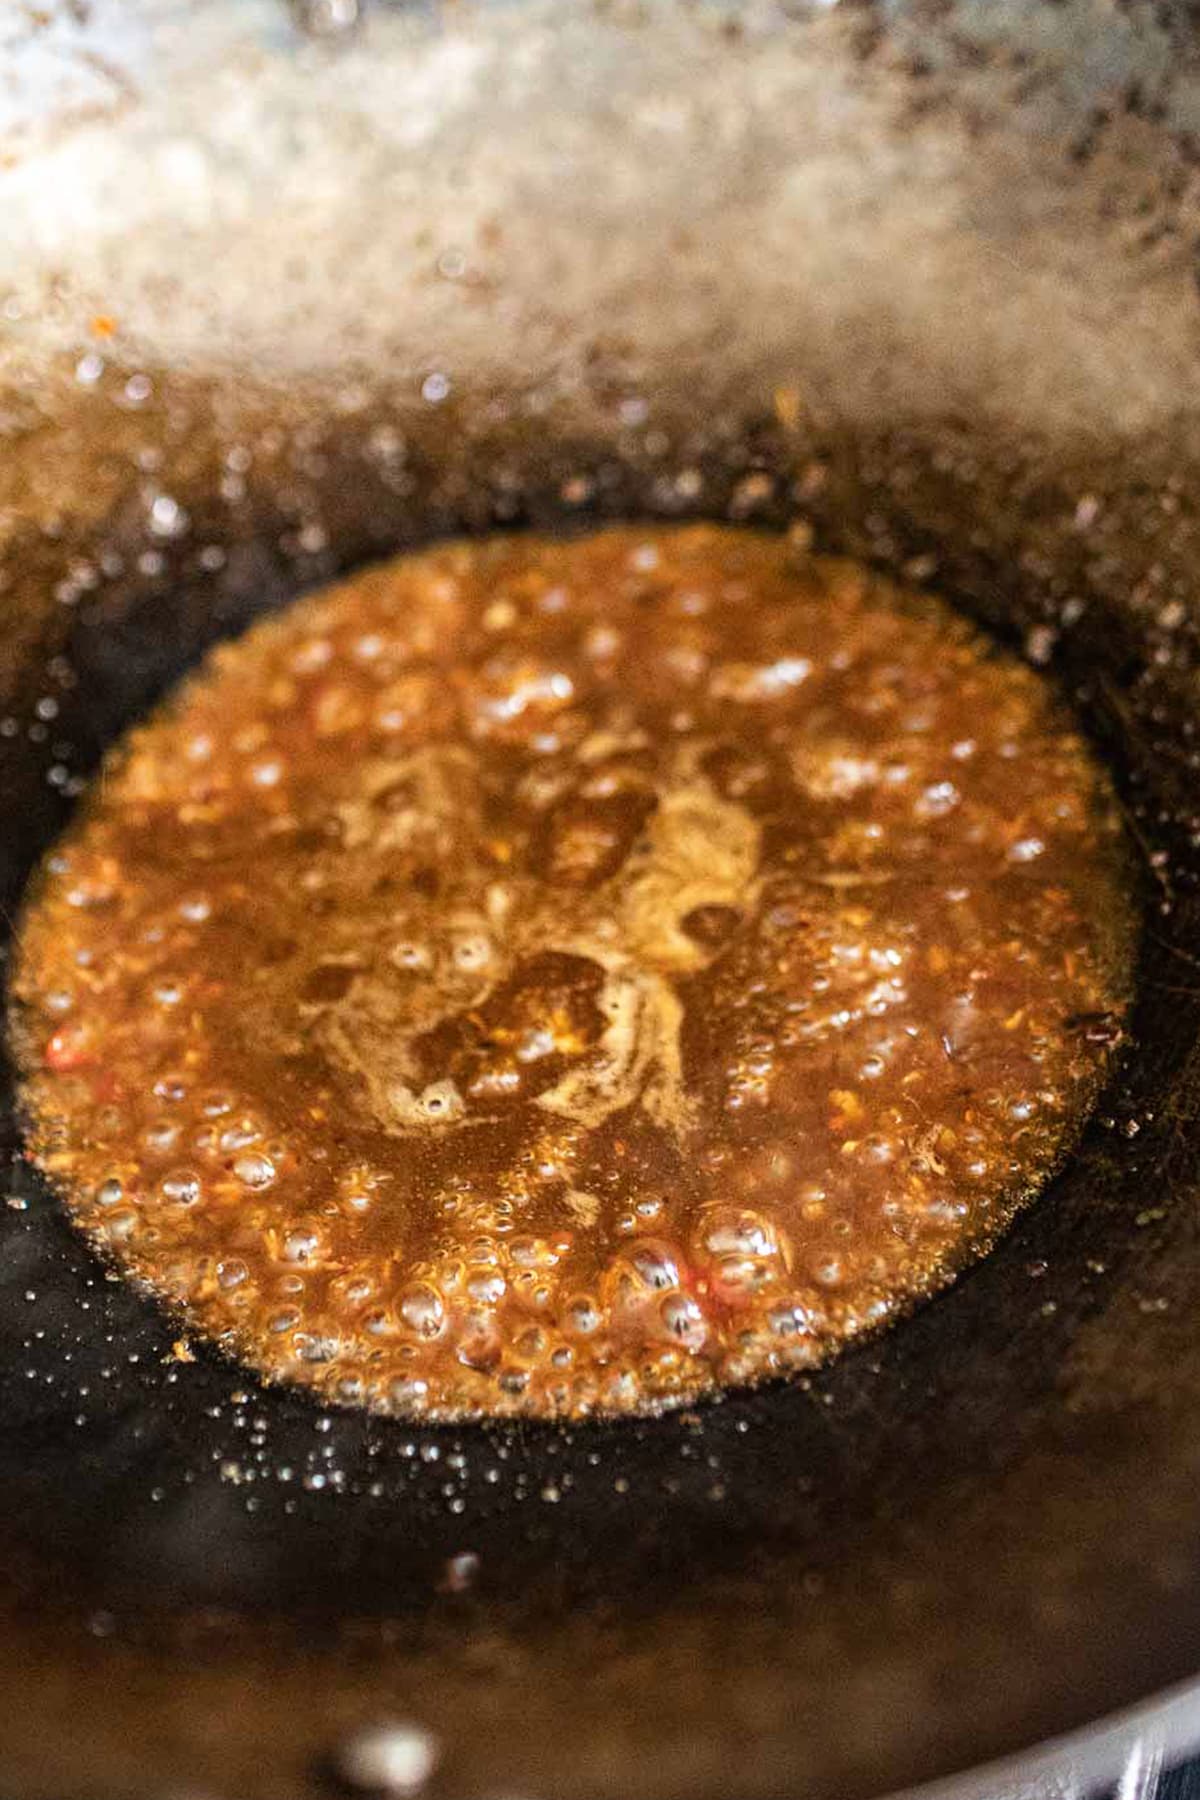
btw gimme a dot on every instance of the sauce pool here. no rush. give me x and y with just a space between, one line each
559 977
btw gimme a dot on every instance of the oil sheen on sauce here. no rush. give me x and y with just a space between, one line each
546 976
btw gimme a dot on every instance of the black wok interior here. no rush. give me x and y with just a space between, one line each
932 296
660 1604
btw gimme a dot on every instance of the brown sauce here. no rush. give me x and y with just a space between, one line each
545 976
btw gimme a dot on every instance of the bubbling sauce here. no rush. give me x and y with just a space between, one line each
544 976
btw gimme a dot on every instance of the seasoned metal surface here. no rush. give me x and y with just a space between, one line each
920 277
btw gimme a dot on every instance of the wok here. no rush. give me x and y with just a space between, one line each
920 278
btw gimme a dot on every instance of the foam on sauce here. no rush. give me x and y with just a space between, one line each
571 976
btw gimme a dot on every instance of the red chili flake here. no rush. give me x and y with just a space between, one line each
70 1047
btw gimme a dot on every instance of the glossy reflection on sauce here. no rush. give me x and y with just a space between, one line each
561 977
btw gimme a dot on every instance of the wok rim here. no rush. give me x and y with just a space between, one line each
1123 1750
